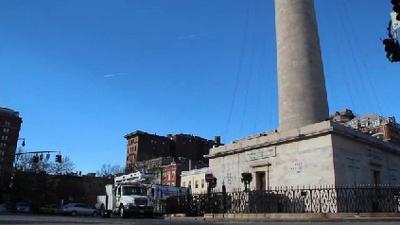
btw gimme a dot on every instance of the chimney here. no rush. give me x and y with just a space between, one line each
217 141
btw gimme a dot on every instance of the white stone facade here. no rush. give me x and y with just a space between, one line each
195 179
325 153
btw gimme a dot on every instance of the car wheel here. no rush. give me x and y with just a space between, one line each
122 212
94 214
74 213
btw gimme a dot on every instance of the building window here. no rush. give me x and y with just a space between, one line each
172 174
196 184
183 184
190 184
202 183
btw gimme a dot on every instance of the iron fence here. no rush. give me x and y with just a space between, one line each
327 199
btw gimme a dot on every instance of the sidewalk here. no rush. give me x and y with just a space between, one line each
307 217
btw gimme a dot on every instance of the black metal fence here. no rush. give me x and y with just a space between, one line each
326 199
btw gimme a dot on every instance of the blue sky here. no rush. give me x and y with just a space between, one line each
84 73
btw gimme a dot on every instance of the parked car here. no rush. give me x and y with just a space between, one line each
49 209
75 209
23 207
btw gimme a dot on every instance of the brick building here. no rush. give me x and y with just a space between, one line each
10 125
143 146
155 167
171 174
190 147
385 128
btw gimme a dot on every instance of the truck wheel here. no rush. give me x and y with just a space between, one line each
74 213
102 211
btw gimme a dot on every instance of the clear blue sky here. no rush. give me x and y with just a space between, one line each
84 73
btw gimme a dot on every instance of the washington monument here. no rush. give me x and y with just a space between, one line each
302 93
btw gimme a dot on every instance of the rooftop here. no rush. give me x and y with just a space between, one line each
8 112
276 138
194 172
137 133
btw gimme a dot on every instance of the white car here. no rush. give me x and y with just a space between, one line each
75 209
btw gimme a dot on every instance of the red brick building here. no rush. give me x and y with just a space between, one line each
10 125
190 146
171 174
381 127
143 146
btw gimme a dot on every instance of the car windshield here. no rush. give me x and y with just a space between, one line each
130 190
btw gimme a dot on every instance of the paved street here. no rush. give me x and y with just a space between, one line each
50 220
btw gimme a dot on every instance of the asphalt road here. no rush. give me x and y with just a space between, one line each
56 220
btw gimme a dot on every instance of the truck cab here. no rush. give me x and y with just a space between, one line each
127 196
132 199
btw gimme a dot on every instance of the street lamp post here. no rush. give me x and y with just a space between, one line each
246 180
212 183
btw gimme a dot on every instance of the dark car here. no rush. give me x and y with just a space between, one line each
49 209
23 207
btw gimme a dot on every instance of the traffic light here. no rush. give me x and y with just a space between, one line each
392 49
396 8
58 158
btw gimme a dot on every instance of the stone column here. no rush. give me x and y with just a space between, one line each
301 83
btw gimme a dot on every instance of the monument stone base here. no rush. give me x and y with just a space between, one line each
325 153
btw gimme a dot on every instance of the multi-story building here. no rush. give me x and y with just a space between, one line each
171 174
155 167
195 180
385 128
143 146
190 146
10 125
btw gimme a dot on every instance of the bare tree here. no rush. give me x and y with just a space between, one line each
63 167
109 170
25 162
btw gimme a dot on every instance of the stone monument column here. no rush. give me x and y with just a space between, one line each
301 83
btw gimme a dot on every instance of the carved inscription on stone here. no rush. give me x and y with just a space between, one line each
261 153
297 167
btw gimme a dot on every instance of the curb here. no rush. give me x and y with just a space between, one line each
307 216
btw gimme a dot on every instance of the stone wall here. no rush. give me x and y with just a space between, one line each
303 162
325 153
356 161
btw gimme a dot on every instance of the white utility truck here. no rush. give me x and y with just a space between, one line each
127 196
